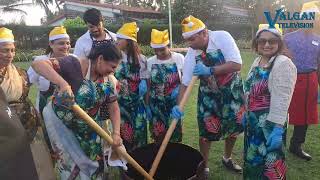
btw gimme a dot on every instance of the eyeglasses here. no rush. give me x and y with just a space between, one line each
272 41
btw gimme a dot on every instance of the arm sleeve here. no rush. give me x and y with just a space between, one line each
113 95
281 90
149 66
228 47
79 50
34 78
188 66
143 67
180 61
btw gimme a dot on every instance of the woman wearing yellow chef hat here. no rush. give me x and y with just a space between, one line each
15 84
164 73
16 160
131 75
59 46
268 88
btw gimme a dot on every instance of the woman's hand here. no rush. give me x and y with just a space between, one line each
117 141
143 87
274 141
64 97
65 88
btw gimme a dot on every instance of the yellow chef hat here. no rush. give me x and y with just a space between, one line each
313 6
191 26
266 27
6 35
128 31
159 39
58 33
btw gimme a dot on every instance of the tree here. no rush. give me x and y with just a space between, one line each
45 5
14 5
77 22
7 6
154 4
257 7
202 9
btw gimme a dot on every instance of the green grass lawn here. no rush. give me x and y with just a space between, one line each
297 169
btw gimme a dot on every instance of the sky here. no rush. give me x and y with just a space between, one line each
34 14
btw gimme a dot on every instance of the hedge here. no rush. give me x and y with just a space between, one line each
28 55
35 37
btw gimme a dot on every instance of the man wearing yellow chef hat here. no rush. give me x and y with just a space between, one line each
131 75
15 152
304 45
164 73
214 57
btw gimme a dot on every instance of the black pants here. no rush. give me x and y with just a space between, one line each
298 136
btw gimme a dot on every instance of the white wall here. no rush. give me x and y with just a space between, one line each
107 12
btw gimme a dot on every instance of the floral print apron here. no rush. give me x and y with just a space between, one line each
164 79
220 101
258 162
133 116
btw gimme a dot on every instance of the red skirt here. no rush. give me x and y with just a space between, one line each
303 109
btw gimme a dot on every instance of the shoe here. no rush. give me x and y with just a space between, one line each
300 153
229 164
205 174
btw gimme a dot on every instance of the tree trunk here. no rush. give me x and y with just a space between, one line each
57 4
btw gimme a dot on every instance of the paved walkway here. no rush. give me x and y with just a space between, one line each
42 158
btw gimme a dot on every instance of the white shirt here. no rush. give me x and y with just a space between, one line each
217 40
41 82
175 58
84 44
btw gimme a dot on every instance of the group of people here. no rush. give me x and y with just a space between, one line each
110 78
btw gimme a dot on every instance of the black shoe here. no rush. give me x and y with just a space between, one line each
300 153
232 166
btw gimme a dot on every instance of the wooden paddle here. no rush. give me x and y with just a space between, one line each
121 151
171 128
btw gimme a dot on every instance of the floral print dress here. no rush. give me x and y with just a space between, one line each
79 149
220 101
164 79
258 162
133 127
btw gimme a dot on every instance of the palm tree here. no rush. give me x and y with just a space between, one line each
12 6
45 5
7 6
